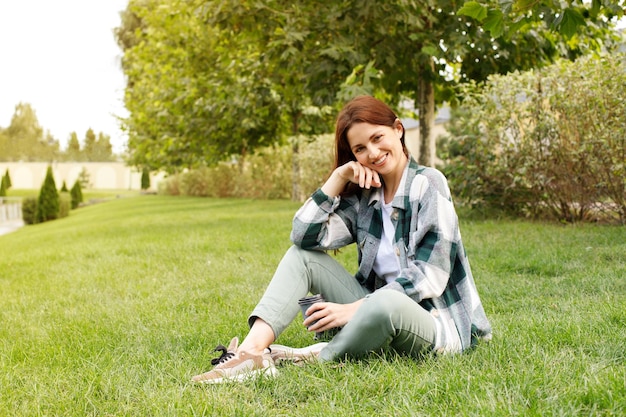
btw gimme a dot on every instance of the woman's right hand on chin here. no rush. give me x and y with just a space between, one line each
352 172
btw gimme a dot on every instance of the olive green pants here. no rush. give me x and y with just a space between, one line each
386 317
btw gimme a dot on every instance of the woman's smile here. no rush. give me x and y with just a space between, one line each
380 161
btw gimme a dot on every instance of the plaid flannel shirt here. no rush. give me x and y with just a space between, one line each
435 271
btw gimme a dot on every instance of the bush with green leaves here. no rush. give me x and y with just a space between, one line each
48 202
29 210
545 143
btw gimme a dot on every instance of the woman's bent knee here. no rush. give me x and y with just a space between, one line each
388 301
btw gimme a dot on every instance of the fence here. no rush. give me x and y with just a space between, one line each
10 209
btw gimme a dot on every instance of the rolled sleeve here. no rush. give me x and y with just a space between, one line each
323 223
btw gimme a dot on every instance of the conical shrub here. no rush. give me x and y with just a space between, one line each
48 202
76 194
7 180
145 179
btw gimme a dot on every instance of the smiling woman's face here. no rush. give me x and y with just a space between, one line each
378 147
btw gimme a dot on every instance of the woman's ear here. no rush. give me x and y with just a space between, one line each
399 127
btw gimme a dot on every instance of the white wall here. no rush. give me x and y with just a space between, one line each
412 138
102 175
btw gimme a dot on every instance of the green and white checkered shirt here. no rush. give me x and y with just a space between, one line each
435 271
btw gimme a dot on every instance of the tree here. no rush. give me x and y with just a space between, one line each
104 149
25 139
73 152
192 93
567 18
5 150
90 147
430 49
3 187
24 133
96 148
48 201
51 148
208 79
287 39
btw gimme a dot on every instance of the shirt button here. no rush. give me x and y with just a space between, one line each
397 252
435 313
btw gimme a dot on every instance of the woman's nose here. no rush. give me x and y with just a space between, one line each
373 152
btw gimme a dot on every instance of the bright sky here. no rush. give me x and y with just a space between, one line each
61 57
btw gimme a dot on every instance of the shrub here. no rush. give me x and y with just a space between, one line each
64 187
199 183
48 202
316 158
29 210
76 195
266 174
170 185
3 188
545 143
225 180
145 179
7 180
65 204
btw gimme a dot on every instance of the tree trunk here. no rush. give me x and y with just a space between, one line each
426 109
243 154
295 157
295 169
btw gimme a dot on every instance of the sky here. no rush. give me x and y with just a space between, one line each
61 57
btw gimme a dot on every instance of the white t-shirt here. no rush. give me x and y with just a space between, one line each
386 264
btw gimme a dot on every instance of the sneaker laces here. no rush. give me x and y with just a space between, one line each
226 355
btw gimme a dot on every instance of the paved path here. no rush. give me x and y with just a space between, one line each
10 226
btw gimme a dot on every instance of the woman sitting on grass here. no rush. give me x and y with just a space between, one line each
414 289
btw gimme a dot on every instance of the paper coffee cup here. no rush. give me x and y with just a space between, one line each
307 302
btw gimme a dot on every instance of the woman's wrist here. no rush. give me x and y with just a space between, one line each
334 185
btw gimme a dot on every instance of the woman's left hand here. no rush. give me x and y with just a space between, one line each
330 315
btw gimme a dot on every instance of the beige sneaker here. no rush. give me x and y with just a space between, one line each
299 356
234 366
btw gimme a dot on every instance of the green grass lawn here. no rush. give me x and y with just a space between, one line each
110 311
88 194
